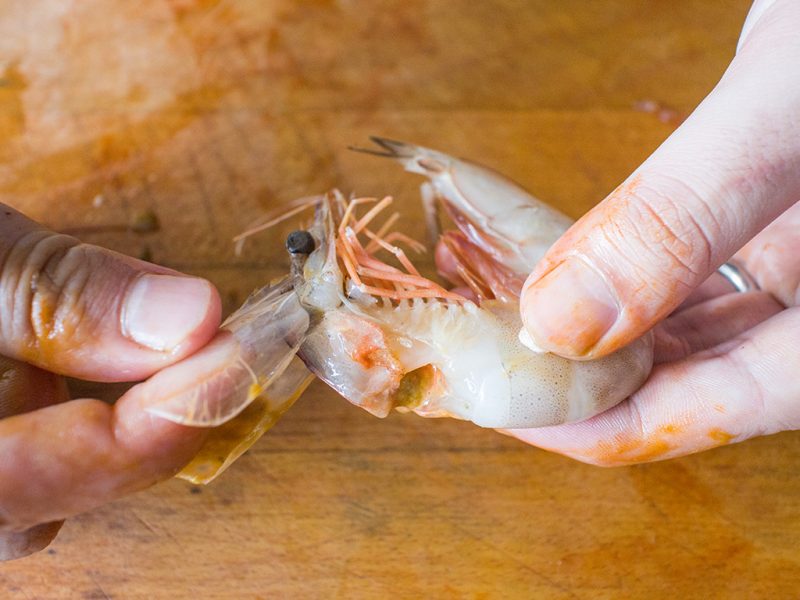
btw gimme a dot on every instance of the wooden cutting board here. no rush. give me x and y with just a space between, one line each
207 113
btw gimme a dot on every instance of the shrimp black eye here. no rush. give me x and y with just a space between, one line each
300 242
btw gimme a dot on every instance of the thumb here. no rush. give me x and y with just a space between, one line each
87 312
727 172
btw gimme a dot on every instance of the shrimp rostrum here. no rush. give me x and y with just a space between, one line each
360 316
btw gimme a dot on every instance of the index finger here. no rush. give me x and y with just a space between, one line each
67 458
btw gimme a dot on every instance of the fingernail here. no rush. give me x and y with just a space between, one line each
162 311
570 309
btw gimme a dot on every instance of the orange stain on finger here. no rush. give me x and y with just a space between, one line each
635 449
669 429
608 220
53 338
649 450
631 450
628 449
723 437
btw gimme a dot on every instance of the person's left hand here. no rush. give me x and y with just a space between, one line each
726 364
725 371
74 309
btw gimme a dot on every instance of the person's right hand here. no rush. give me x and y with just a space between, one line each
728 364
73 309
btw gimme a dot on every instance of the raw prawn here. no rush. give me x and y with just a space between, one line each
385 337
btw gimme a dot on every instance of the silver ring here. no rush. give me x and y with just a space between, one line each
734 273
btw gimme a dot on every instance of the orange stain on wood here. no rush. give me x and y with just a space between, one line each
114 150
12 112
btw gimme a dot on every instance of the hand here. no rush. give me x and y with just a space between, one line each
72 309
726 364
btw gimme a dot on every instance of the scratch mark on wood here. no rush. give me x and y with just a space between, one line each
205 197
147 525
99 587
549 581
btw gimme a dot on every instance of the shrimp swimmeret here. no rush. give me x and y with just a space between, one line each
385 337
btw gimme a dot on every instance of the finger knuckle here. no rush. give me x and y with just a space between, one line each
40 281
665 237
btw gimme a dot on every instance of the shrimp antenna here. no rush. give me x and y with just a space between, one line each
391 148
271 220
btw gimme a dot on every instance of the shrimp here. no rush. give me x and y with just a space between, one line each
357 313
390 338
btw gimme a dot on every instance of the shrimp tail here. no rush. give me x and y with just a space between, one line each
390 148
229 441
415 159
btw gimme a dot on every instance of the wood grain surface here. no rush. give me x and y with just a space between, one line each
207 113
